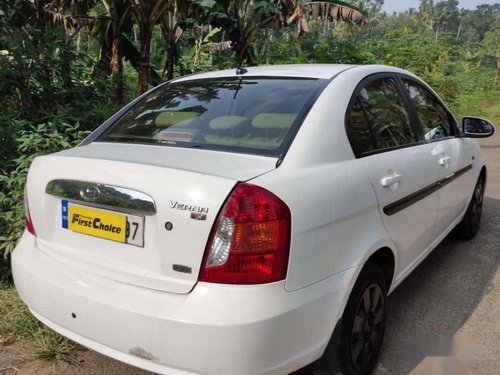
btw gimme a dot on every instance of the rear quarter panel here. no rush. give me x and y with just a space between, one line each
335 220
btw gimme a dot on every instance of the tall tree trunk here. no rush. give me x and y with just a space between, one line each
171 62
40 13
146 35
45 73
65 62
459 29
25 99
117 70
116 64
79 41
133 56
498 70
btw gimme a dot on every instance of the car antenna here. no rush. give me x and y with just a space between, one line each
241 71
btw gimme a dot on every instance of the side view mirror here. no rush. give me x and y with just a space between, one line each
475 127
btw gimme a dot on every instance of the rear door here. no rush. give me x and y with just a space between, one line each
400 166
453 157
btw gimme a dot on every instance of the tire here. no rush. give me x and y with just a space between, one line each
363 323
469 225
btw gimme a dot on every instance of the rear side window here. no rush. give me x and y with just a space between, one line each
433 118
378 118
251 115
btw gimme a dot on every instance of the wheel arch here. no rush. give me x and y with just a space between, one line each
484 173
383 254
384 259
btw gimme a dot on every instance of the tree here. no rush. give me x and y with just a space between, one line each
173 24
240 20
483 18
118 10
491 48
302 11
147 14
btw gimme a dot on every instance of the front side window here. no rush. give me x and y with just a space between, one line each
433 118
251 115
378 118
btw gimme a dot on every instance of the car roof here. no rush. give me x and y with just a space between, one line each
321 71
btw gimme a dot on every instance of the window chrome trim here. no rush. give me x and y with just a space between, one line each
102 196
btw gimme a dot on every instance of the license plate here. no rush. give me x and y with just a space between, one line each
114 226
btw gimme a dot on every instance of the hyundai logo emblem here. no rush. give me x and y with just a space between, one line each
90 193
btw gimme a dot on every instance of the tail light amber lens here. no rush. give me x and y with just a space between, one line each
250 240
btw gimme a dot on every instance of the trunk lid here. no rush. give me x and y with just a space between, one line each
187 186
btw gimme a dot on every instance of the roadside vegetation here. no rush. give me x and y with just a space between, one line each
17 325
66 66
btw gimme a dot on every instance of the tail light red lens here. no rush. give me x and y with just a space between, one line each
250 240
29 222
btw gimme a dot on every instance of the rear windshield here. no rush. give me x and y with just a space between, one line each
250 115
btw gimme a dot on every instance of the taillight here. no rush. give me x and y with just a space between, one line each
250 240
27 215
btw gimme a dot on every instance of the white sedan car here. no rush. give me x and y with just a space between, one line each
249 221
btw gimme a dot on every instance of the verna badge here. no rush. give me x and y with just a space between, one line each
197 212
90 193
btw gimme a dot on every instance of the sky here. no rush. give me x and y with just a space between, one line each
400 5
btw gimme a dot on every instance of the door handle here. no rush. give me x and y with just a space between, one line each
444 161
390 180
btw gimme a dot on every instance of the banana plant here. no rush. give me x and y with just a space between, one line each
119 12
179 17
147 14
301 12
241 20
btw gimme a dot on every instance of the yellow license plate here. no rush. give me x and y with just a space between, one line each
110 225
97 223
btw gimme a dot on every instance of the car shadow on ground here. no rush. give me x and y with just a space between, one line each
440 295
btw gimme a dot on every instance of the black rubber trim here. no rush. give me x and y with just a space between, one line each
401 204
407 201
454 176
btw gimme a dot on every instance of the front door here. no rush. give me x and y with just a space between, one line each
453 156
401 167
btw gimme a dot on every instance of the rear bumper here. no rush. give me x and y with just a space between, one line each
215 329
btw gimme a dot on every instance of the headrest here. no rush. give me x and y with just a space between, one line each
169 118
273 120
226 122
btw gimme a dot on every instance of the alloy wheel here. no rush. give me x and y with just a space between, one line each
477 205
368 327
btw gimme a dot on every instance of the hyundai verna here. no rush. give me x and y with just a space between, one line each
248 221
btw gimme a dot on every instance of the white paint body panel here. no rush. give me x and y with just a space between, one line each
453 198
129 300
182 333
411 229
152 265
214 163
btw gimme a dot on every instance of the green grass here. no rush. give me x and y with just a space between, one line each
485 104
18 325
